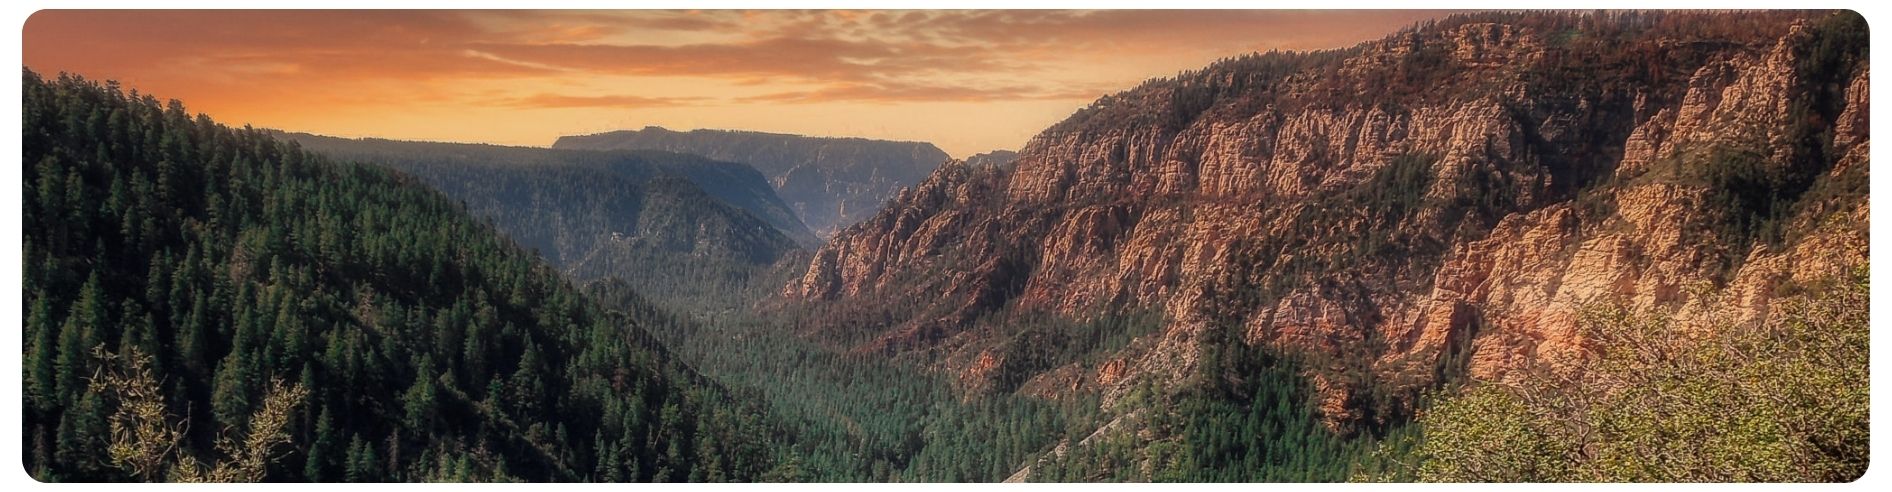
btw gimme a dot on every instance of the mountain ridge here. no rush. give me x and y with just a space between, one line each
1338 203
831 182
735 184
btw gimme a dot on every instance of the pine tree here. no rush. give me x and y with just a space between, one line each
420 399
41 369
77 337
193 343
322 450
363 466
230 390
82 434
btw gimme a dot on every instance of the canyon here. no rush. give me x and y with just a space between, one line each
830 182
1462 187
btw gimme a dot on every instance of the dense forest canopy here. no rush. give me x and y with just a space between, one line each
428 347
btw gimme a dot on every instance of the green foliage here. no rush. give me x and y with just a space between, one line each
1778 402
1253 420
858 416
1839 51
431 348
1753 193
1038 342
1247 416
1488 434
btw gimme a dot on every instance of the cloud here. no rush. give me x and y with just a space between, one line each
812 68
321 44
896 92
559 101
868 55
1158 30
801 59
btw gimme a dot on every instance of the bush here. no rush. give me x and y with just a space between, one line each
1780 402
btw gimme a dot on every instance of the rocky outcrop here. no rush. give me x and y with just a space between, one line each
830 182
996 158
1470 185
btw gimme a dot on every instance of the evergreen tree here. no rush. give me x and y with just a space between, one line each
237 260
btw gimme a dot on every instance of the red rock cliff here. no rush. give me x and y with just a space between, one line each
1484 177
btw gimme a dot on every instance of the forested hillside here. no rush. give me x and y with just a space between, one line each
678 228
212 303
860 417
854 417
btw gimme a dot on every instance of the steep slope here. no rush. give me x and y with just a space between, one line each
830 182
1441 201
673 226
338 321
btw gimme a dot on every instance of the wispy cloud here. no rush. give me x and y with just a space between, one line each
314 61
898 92
610 101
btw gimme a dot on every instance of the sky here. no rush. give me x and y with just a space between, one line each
967 81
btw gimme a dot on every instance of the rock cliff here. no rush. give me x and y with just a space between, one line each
1461 188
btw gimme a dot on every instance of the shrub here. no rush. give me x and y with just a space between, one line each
1783 401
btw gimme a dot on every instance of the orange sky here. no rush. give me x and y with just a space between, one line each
968 81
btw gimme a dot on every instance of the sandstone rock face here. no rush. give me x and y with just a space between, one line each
1474 183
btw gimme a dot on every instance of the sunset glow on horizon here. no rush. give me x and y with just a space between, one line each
967 81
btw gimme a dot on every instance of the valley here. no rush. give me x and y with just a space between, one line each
1496 246
830 182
